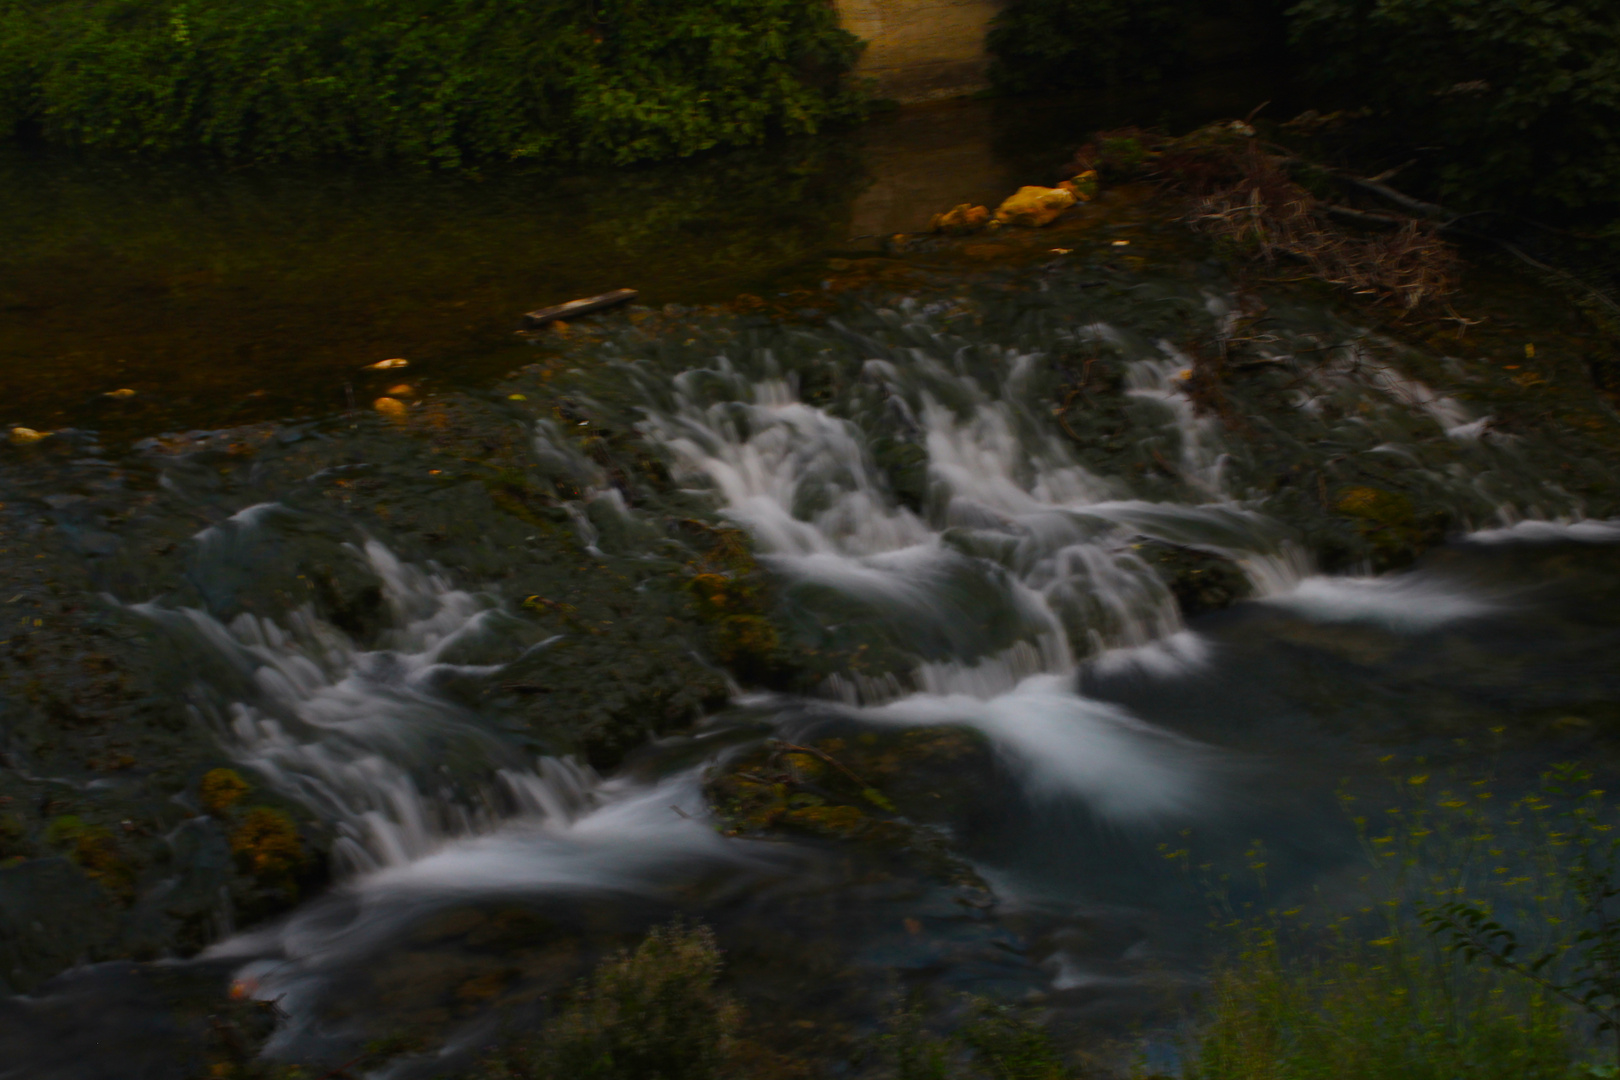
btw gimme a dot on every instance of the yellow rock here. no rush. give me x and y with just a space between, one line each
27 435
124 393
961 219
393 408
388 365
398 391
1035 206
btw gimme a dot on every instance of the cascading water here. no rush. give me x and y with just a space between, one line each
903 478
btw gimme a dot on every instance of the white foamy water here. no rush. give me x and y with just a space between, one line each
353 733
594 838
1016 565
1065 744
1546 532
1404 603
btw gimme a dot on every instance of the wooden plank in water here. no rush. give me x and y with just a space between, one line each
575 308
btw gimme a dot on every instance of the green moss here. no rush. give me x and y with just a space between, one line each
884 793
1389 523
13 839
728 592
94 848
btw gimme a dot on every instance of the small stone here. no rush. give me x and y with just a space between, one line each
25 435
399 391
961 219
1035 206
388 365
393 408
122 393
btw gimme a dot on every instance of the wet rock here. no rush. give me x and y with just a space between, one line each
1035 206
1200 580
350 602
1389 523
393 408
907 793
51 916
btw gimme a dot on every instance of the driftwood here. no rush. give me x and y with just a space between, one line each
575 308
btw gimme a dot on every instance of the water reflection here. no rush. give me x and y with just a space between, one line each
231 297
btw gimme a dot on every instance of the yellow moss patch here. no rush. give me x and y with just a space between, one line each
1376 506
744 638
94 849
839 820
268 842
221 789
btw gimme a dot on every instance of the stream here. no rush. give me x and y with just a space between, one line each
990 523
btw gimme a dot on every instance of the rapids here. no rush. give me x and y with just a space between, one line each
915 498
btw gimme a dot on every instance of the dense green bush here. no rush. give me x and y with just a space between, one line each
421 80
1518 99
1058 44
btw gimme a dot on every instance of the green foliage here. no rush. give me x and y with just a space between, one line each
421 80
1582 966
997 1042
651 1014
1060 44
1392 991
910 1049
1521 98
1007 1045
1390 1011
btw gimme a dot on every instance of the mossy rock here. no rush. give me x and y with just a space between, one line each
1201 581
1390 524
902 792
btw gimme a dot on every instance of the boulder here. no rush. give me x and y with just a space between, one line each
1035 206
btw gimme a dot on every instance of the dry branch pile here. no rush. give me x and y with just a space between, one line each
1245 193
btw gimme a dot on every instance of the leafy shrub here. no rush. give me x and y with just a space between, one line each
1521 97
1058 44
996 1042
651 1014
1527 885
422 80
1392 1011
